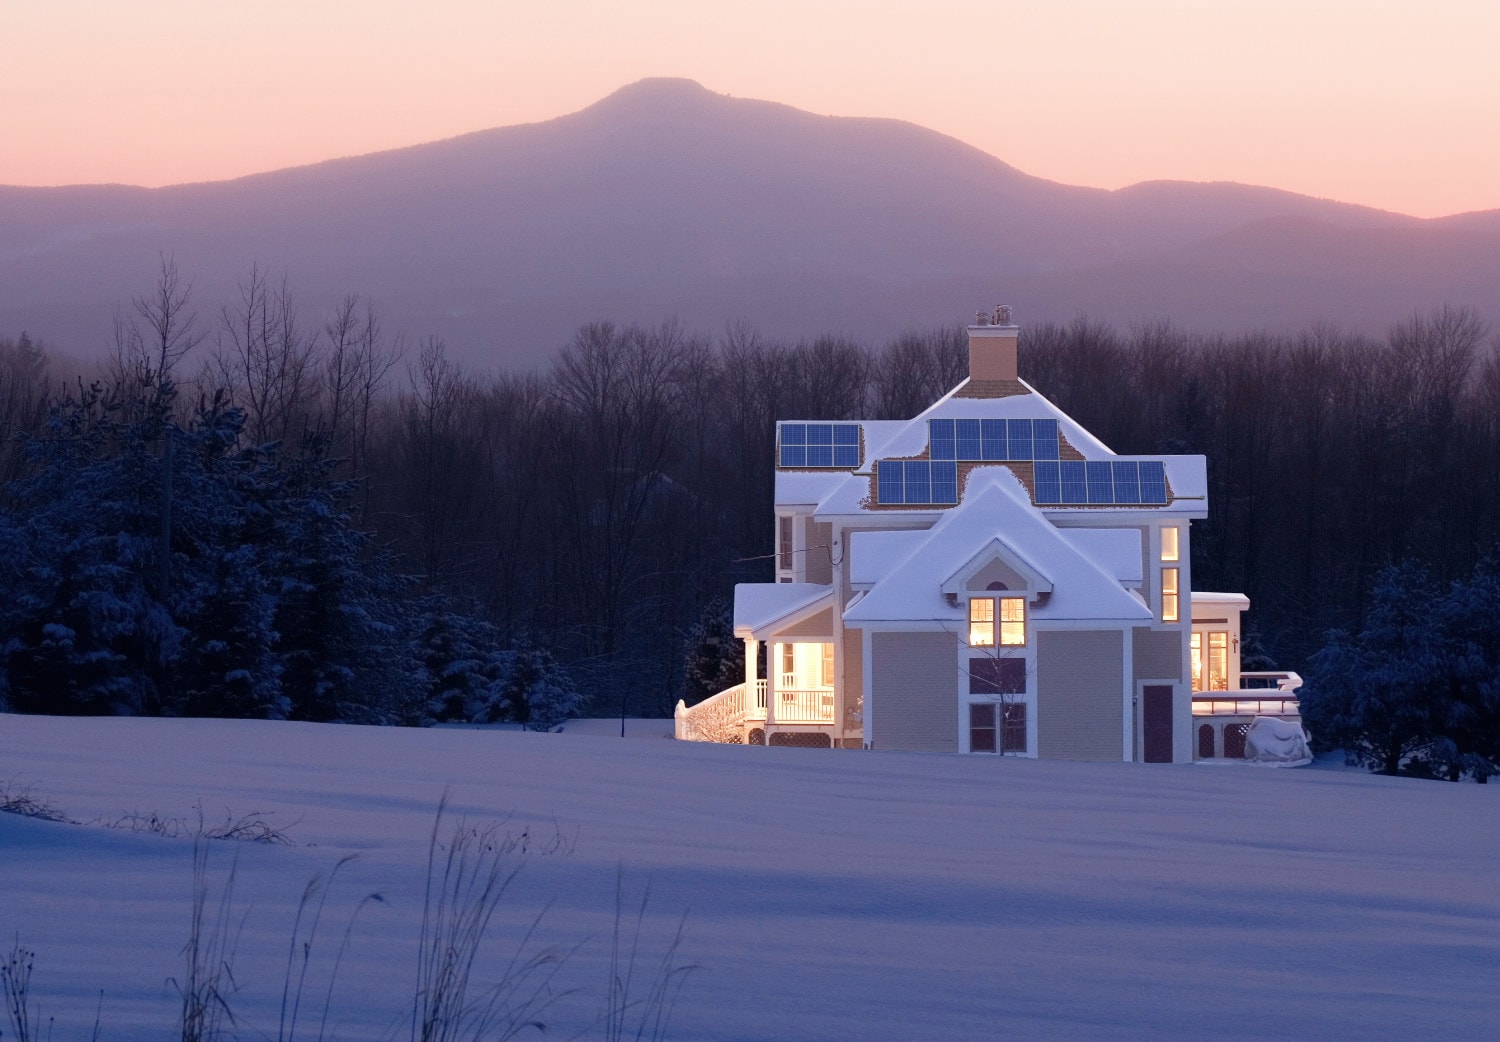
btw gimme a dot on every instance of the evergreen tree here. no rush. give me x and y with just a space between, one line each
1417 690
715 658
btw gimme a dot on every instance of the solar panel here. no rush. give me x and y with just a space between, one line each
967 439
846 445
1018 438
1127 481
917 482
1074 482
818 445
1153 482
940 442
944 482
992 441
1044 441
889 484
1048 482
1101 481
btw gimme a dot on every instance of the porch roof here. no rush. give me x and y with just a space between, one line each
760 608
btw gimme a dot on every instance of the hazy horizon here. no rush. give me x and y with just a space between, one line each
1381 104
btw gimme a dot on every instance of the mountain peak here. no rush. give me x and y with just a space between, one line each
656 92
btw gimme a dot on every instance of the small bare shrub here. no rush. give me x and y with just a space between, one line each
15 983
208 979
464 887
638 997
17 799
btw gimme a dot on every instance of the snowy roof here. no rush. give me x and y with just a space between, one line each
844 493
996 511
874 554
1237 601
759 606
1116 551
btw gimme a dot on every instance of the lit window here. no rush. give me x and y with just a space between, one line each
981 622
1218 660
1169 595
788 661
1012 621
827 665
1197 648
1169 544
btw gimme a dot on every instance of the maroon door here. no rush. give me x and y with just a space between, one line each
1157 723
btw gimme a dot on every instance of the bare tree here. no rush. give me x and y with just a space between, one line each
266 360
156 333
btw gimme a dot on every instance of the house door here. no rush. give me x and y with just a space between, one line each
1157 723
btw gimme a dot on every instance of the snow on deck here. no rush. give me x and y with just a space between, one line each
829 896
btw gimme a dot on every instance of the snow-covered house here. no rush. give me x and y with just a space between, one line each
987 577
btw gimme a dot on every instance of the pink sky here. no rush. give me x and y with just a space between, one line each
1390 103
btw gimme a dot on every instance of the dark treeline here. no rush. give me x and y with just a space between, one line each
603 507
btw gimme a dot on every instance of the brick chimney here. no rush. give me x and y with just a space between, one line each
992 346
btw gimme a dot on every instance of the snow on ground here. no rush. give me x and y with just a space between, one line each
828 895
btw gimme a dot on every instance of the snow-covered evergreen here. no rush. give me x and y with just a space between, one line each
1417 690
162 566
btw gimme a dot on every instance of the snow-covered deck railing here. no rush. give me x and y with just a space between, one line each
1244 702
722 717
718 718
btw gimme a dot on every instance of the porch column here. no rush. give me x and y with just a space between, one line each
773 681
752 652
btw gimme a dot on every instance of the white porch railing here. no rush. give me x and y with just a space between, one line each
793 705
722 717
804 706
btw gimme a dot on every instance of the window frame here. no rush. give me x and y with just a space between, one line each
982 626
1171 595
999 726
1000 622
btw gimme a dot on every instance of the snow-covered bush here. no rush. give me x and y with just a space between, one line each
471 678
1417 690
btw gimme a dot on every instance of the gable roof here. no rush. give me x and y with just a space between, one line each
995 511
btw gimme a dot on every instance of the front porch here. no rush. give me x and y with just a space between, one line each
797 698
798 701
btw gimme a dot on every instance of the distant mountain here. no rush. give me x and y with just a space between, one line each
666 199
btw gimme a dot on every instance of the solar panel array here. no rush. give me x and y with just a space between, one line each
834 445
916 482
1101 483
993 441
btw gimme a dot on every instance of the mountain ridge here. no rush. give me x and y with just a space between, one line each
667 199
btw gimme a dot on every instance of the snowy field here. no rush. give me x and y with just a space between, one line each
835 896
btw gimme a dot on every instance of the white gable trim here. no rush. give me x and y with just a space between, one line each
1038 580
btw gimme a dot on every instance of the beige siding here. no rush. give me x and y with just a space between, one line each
854 678
913 691
1080 680
818 557
819 627
1156 656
